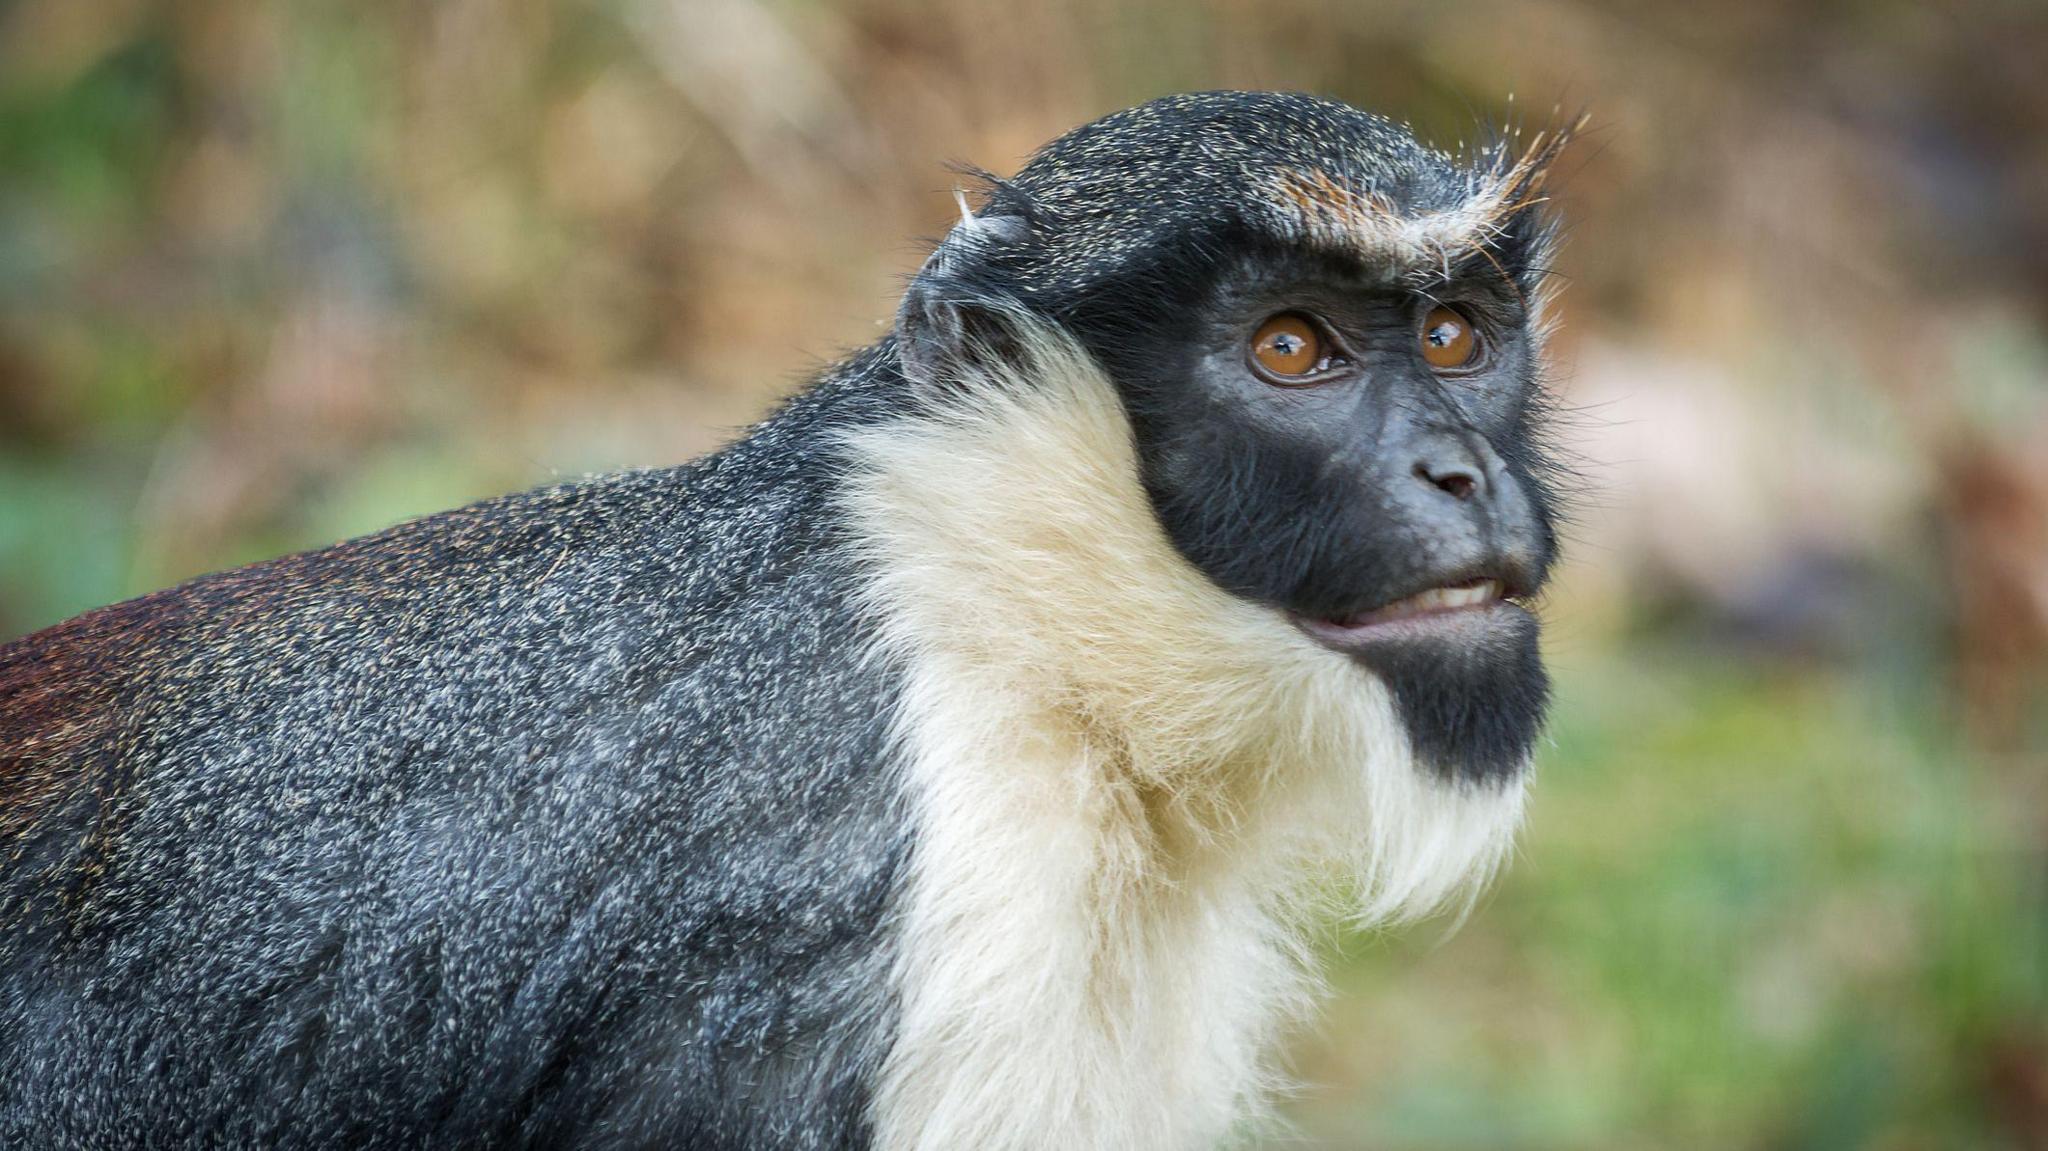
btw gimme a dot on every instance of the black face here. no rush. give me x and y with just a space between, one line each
1357 454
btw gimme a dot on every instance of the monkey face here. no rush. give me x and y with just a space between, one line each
1358 455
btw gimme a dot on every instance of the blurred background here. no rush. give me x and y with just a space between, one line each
276 273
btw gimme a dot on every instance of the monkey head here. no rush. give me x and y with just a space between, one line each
1327 339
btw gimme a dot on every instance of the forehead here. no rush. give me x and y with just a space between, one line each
1302 171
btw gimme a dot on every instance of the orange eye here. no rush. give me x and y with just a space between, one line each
1447 339
1288 345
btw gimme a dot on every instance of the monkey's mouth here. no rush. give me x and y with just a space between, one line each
1441 610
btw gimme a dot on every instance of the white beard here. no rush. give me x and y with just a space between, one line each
1126 784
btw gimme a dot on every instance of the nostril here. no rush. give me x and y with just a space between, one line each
1460 483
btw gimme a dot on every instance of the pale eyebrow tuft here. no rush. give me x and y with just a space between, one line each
1335 211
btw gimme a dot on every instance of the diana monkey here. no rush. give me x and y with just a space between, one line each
941 765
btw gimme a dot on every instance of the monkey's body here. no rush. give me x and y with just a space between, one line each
936 767
603 875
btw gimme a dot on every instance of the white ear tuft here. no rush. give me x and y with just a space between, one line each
991 229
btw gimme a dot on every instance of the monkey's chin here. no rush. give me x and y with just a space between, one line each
1468 682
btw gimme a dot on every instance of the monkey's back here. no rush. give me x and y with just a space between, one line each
565 817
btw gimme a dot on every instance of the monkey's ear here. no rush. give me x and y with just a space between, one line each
953 315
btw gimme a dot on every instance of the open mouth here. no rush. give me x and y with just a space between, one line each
1478 592
1432 610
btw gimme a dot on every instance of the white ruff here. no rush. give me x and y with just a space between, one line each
1124 781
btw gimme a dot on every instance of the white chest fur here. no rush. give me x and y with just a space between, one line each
1124 781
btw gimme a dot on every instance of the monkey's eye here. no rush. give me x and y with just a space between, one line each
1291 346
1448 341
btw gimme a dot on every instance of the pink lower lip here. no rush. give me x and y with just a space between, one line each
1406 622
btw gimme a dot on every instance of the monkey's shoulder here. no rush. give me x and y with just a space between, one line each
531 631
440 573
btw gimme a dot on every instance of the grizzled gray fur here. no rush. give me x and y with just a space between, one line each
557 820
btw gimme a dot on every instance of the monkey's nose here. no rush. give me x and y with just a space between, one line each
1466 506
1452 466
1460 481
